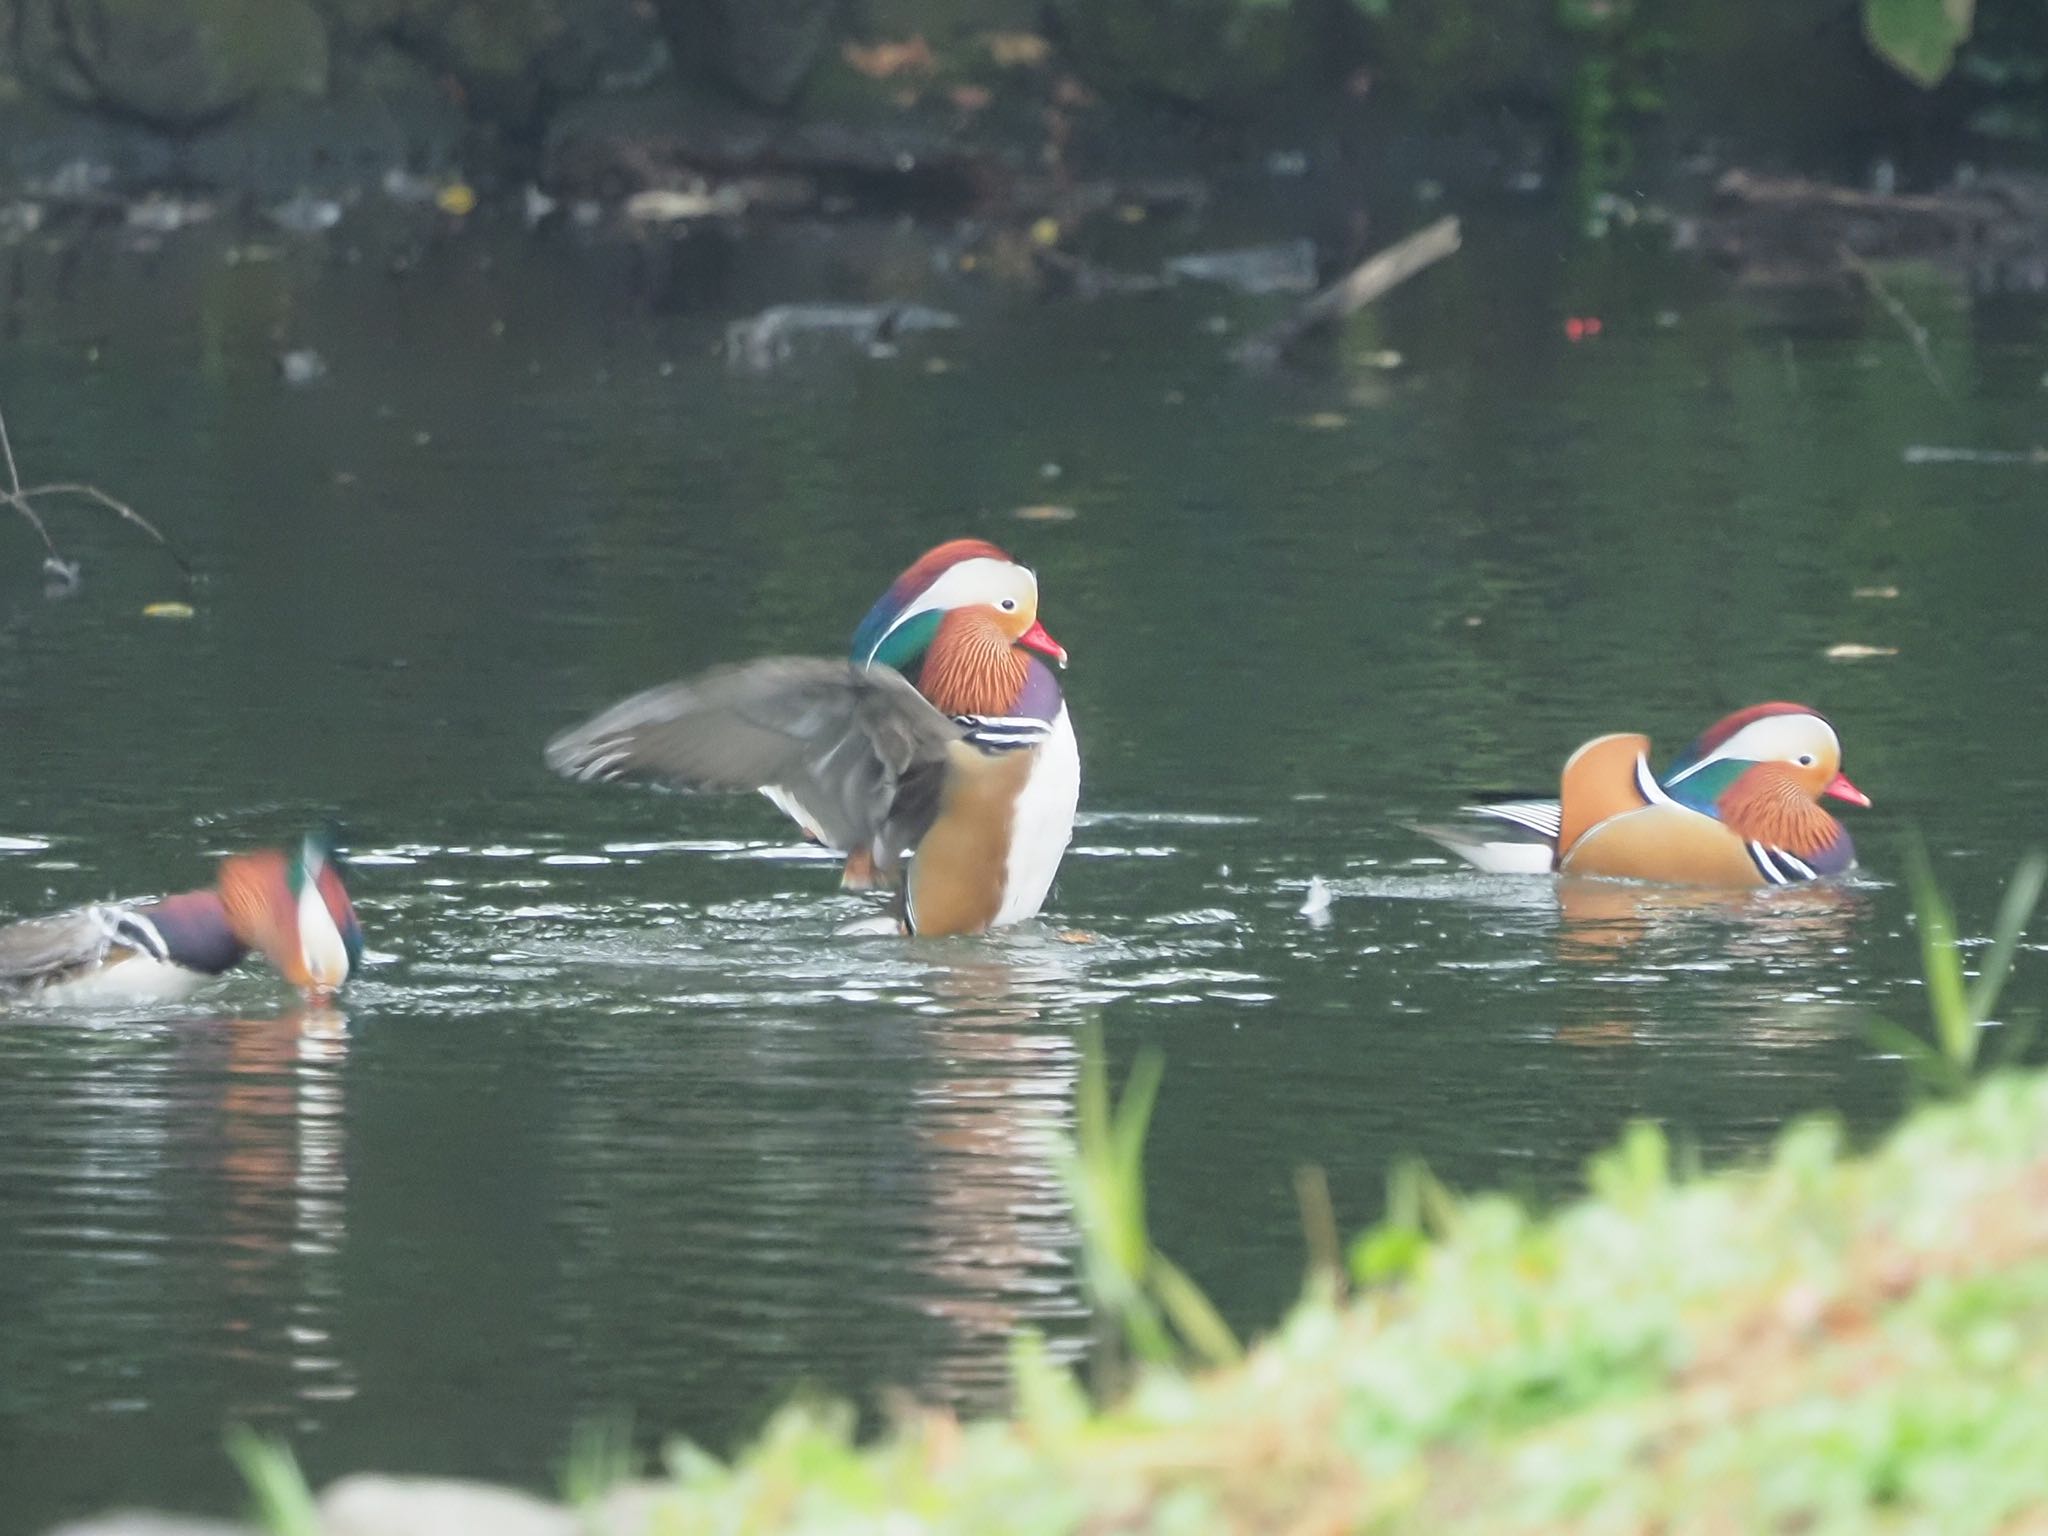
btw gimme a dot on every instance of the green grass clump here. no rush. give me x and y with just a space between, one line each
1829 1343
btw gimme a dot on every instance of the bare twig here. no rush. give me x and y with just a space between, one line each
1915 331
120 509
1365 282
21 499
13 474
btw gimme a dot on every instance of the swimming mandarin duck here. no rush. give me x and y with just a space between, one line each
938 757
291 906
1740 807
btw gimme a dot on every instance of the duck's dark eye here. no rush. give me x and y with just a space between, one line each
1806 759
1009 605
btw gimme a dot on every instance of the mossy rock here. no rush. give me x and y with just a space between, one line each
509 59
763 50
1209 53
172 64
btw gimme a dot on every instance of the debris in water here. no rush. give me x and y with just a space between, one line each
403 186
1045 514
1015 50
301 365
458 198
1326 421
20 219
665 205
881 61
1881 593
1920 453
166 215
168 611
1316 905
535 205
1849 650
1285 268
306 214
771 337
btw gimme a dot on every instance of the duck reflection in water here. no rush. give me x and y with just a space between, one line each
999 1238
1604 924
285 1224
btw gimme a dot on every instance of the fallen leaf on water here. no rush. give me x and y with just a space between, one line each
1046 231
880 61
1326 421
1877 592
1076 936
1013 50
1849 650
458 198
168 611
1045 514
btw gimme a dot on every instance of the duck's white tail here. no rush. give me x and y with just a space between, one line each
1509 837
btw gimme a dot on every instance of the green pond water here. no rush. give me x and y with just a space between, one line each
612 1122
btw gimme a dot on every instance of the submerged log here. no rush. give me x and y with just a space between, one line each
1365 282
1786 231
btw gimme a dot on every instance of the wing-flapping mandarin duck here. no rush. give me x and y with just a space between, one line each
289 905
939 758
1740 807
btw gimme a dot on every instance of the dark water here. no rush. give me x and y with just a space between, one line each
612 1121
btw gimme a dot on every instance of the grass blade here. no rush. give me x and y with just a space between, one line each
276 1485
1948 998
1193 1315
2022 896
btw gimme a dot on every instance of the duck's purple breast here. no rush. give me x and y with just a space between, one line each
195 932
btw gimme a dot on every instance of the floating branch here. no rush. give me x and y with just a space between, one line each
63 573
1365 282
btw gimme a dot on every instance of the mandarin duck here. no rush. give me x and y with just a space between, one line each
291 906
1739 807
938 757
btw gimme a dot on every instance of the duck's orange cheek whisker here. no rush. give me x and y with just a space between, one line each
1841 789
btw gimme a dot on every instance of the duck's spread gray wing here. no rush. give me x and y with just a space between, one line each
49 946
858 749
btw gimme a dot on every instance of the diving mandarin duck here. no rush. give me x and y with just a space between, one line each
1739 807
938 757
289 905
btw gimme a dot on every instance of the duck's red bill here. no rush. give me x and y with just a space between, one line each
1036 639
1840 787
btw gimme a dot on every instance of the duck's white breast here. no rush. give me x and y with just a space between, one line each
1043 824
